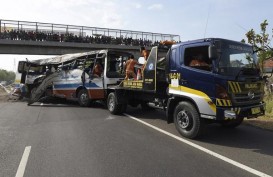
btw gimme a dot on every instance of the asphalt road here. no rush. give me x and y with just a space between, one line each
67 140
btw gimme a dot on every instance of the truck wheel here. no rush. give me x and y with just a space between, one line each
232 123
113 106
187 120
83 98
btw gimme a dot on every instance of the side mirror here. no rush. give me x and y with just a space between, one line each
212 52
22 66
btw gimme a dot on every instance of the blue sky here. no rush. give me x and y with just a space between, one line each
229 19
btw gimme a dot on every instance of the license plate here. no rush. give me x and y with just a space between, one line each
255 110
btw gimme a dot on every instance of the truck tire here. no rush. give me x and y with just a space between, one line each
187 120
113 106
83 98
232 123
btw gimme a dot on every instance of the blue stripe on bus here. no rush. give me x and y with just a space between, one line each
65 86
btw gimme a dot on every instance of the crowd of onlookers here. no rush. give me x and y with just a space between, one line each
70 37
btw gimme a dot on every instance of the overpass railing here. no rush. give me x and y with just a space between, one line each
38 31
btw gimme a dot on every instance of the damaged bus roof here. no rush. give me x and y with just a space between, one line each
65 58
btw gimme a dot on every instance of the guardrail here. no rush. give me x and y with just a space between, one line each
62 30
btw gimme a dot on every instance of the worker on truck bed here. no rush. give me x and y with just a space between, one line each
129 68
97 70
145 54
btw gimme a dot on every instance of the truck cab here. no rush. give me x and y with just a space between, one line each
226 87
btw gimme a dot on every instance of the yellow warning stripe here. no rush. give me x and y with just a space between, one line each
236 110
195 92
238 87
231 86
235 87
222 102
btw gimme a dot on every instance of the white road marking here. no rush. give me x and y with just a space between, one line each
23 163
228 160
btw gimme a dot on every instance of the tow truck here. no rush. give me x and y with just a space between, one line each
227 90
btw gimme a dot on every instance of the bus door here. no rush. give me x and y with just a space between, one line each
93 77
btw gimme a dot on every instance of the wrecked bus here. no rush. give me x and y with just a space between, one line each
82 77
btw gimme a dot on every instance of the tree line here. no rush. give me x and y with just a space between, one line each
8 76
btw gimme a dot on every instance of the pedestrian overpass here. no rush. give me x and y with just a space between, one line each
36 38
56 48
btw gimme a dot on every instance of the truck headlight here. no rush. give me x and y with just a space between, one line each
221 92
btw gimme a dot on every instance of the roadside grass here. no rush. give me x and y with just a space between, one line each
269 103
266 121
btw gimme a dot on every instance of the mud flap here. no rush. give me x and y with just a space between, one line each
121 96
170 109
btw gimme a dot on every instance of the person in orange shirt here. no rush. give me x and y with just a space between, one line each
145 54
129 68
97 70
198 61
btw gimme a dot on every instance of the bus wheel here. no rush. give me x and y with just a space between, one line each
113 106
83 98
187 120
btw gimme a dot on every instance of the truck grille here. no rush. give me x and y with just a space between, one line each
245 99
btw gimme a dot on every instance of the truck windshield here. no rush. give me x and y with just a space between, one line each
235 59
